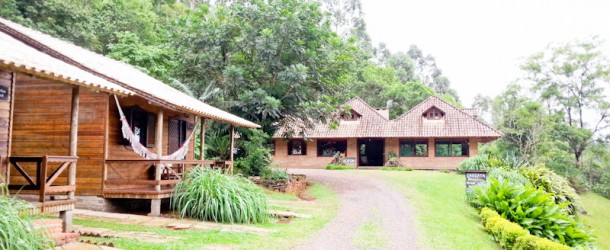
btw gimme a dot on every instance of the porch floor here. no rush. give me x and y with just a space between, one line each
138 193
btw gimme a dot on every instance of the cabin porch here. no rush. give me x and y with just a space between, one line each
124 178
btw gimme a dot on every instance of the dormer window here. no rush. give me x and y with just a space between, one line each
350 115
433 114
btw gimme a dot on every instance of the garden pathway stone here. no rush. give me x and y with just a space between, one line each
362 200
174 223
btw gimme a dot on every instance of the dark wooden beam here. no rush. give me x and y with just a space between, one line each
202 137
232 148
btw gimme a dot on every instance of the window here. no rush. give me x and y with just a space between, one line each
297 147
332 147
413 148
433 114
452 148
143 125
177 132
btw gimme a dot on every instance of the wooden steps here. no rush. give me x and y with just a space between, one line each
53 229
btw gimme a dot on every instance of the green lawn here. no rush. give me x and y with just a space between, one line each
598 217
444 220
287 235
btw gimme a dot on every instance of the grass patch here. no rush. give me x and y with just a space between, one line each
287 235
443 218
396 169
369 236
598 215
339 167
16 229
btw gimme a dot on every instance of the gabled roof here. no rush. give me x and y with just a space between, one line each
455 124
370 124
19 57
119 73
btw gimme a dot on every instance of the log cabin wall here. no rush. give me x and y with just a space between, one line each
118 151
42 127
6 86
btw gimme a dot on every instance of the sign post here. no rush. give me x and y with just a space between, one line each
475 177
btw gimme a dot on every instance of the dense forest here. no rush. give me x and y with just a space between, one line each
266 60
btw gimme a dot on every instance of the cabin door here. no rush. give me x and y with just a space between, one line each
370 152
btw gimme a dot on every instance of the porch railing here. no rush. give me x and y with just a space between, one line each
42 181
137 173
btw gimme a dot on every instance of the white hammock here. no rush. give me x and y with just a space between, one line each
141 150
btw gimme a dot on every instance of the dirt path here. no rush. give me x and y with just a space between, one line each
371 215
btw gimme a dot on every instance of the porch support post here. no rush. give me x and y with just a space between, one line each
155 204
66 215
202 137
232 148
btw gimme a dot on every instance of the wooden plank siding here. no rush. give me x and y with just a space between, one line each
6 81
42 127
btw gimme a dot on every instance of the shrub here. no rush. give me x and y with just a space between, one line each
508 233
16 230
487 213
534 210
446 171
208 194
530 242
478 162
392 160
257 158
509 175
559 187
397 169
338 167
275 174
602 189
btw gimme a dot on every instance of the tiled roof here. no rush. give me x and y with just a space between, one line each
119 73
455 123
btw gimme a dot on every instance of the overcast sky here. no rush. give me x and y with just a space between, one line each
479 44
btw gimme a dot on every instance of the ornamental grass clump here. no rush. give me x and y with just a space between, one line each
16 230
209 195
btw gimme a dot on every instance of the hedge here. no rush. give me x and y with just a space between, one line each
512 236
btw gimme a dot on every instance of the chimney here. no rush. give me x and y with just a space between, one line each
389 104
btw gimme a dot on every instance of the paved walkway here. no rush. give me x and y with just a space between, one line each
363 202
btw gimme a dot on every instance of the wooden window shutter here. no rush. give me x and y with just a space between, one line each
173 140
151 132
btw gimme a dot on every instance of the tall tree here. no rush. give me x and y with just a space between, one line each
264 60
570 79
429 73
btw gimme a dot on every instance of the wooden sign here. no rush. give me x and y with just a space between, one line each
348 160
3 93
475 177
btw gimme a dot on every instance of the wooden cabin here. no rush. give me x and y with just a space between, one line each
61 137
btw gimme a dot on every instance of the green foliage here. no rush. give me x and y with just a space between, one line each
560 189
207 194
266 59
256 157
508 175
16 230
530 242
397 169
446 171
338 167
393 160
511 235
275 174
534 210
478 162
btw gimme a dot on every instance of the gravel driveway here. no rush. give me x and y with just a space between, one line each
363 202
